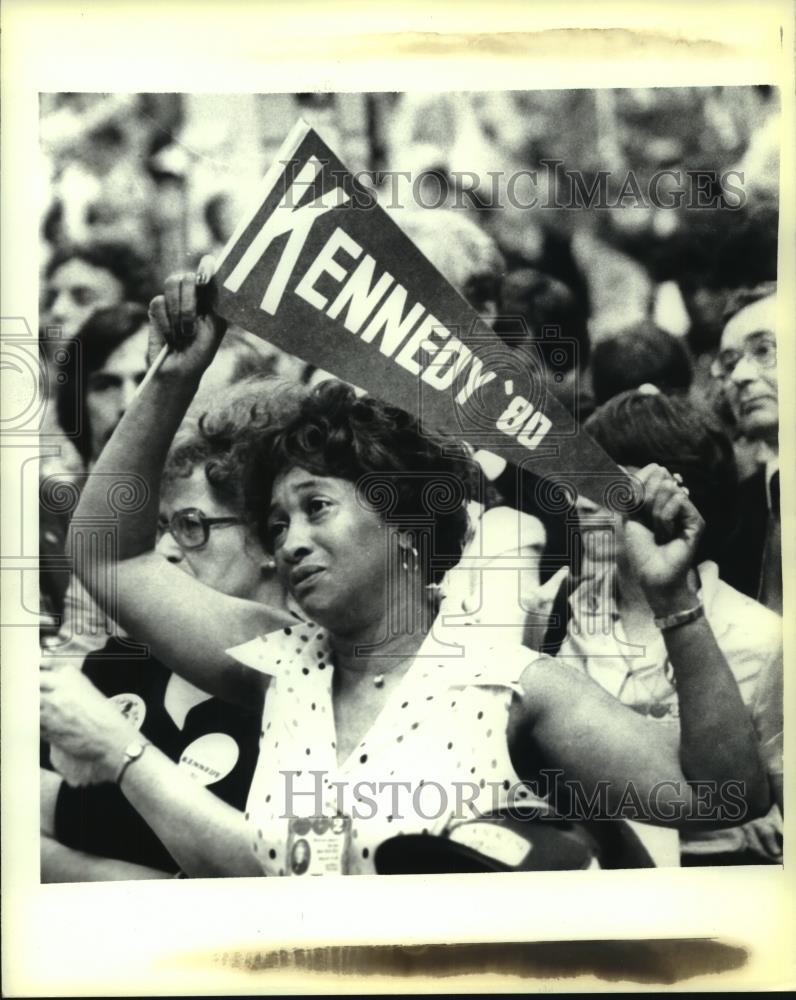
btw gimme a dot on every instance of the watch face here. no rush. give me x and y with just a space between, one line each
134 750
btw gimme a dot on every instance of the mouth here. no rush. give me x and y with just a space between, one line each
756 403
304 576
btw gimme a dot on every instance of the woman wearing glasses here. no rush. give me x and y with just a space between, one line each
363 690
94 833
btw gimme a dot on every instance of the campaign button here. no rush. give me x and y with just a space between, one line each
132 707
210 758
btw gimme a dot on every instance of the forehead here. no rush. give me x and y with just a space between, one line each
130 356
192 491
759 317
79 273
296 482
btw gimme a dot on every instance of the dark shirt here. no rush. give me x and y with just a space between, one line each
751 560
98 819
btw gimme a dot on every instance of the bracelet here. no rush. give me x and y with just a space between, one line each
680 618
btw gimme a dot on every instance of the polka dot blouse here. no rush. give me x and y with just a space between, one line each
435 754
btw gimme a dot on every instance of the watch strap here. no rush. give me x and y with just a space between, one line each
680 618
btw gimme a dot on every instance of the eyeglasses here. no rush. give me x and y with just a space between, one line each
761 350
190 528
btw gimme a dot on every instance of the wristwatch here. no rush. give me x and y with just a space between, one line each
131 752
680 618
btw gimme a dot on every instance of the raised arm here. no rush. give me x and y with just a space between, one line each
187 624
714 776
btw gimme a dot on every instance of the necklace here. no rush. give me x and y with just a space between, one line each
378 679
381 677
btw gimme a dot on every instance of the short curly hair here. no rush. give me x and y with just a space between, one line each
216 439
413 480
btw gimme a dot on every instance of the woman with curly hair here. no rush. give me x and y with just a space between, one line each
364 699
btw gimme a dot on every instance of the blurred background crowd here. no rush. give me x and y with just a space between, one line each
137 186
166 175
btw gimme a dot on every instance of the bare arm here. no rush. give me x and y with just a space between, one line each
187 624
204 835
596 739
65 864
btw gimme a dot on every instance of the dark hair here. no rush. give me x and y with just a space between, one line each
545 302
743 297
637 428
130 268
641 353
96 340
415 481
214 439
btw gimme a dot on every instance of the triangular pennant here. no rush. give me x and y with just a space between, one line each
318 268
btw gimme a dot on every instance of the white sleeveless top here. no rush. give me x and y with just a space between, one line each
442 731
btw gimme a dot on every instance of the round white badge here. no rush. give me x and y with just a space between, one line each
132 707
210 758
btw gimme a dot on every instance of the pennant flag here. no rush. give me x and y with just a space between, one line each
318 268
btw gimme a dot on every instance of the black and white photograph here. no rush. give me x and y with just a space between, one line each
404 464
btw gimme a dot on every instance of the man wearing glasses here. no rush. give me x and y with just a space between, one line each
746 368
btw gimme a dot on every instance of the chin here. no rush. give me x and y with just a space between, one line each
317 611
763 429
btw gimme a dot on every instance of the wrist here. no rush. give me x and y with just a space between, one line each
113 758
132 753
181 380
666 601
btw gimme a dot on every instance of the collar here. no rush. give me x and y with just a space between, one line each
453 657
772 469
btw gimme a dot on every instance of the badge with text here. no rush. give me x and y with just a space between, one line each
318 845
210 758
318 268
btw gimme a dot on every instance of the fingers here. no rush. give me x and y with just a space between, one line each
180 298
206 270
547 592
667 508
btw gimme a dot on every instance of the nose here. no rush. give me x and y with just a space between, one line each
59 310
169 549
297 542
745 371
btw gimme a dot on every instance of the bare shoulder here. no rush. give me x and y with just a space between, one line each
550 686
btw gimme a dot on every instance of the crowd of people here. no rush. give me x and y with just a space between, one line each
259 658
